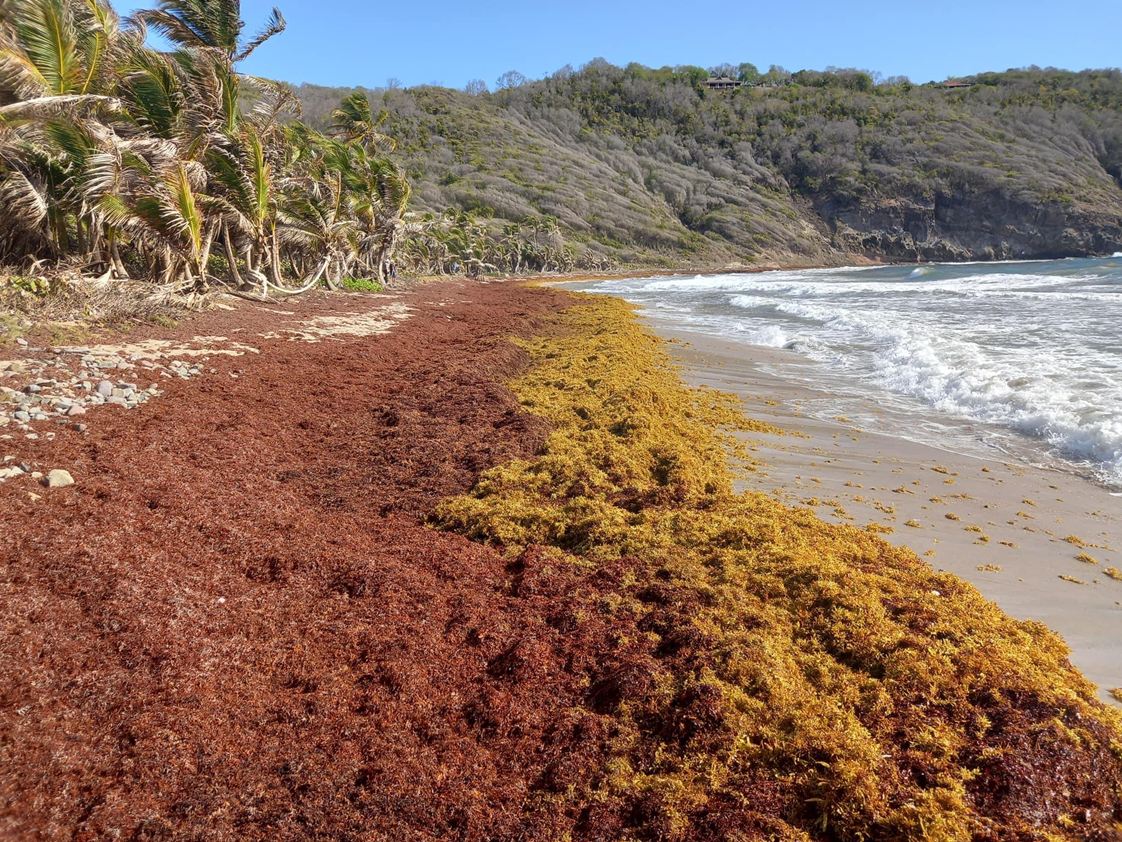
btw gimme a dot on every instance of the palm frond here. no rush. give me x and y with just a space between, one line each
171 27
47 34
47 107
198 23
273 100
24 201
274 26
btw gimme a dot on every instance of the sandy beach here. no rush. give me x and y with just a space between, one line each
1034 540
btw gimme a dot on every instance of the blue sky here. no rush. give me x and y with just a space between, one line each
354 42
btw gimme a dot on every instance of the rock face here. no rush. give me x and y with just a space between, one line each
971 226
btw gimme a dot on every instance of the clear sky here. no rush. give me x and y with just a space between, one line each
357 42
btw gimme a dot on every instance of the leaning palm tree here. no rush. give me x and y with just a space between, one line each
354 122
378 193
243 181
315 222
169 211
56 59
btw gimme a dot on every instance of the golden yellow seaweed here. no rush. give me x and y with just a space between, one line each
843 664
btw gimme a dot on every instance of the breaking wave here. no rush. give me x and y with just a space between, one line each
1030 348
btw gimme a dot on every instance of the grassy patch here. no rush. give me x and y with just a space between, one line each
363 285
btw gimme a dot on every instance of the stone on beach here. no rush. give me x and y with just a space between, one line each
58 478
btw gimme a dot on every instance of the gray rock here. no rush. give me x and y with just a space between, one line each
116 400
33 389
77 409
11 472
105 388
81 428
22 415
21 341
58 478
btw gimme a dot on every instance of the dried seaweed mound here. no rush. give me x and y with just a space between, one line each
790 679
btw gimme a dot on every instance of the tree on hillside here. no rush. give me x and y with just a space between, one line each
747 72
510 79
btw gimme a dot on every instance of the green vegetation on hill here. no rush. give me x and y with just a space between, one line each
646 166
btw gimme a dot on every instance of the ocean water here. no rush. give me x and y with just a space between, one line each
1024 358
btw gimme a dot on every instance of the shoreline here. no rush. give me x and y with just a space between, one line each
1012 530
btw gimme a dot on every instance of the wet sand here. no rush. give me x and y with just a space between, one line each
1016 532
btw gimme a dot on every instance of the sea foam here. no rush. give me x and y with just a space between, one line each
1029 348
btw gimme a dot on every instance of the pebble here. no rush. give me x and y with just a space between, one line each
73 392
59 478
21 341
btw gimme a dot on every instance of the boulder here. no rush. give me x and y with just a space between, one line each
58 478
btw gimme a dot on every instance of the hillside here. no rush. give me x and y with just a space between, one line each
645 167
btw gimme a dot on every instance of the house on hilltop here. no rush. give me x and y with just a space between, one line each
950 84
724 83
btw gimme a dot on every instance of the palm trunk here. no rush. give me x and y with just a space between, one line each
115 258
275 262
204 259
231 257
312 281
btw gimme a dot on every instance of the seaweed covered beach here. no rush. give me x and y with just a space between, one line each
479 572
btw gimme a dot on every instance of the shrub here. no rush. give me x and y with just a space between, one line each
363 285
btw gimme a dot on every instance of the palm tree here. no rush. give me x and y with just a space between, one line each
354 122
109 148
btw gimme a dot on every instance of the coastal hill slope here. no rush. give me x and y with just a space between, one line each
647 167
